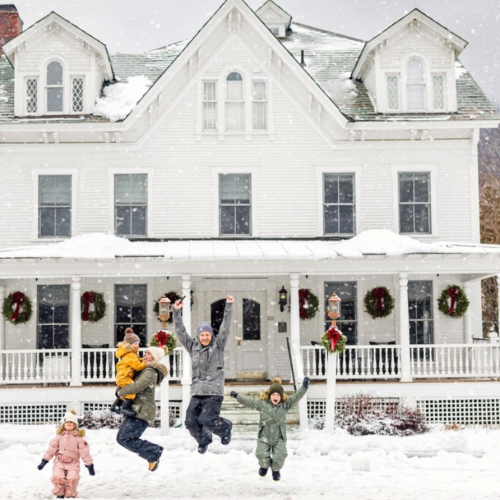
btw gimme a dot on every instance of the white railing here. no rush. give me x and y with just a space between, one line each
356 362
27 366
455 361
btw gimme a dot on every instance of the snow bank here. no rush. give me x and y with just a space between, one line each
121 98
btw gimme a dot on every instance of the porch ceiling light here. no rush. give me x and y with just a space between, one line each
333 309
283 298
164 310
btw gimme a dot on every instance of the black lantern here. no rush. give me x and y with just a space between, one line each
283 298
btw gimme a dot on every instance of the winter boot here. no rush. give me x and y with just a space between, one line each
276 475
60 496
127 408
115 407
202 448
262 471
154 465
226 439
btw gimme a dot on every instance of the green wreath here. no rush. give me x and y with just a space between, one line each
453 301
164 339
97 300
309 304
19 302
335 337
379 302
172 296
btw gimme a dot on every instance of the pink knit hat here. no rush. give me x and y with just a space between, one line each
130 336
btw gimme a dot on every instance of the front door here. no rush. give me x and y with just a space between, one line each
246 349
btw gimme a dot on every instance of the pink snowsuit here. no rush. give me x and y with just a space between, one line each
68 447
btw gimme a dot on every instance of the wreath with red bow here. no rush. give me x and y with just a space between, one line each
95 301
165 340
16 308
333 340
453 301
379 302
309 304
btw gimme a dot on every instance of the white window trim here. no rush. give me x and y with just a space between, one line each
357 170
201 100
252 102
35 174
150 208
430 169
43 84
387 75
72 78
25 95
253 172
426 74
445 86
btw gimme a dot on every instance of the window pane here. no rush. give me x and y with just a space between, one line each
331 219
54 73
346 214
32 95
242 188
331 188
138 191
78 95
123 221
415 71
346 189
227 222
393 92
406 187
438 90
45 336
53 316
421 187
347 323
251 320
259 116
226 183
259 91
61 336
55 99
63 222
422 218
209 91
55 190
242 220
138 220
47 222
420 311
415 97
209 116
217 314
234 77
406 222
122 188
235 115
130 310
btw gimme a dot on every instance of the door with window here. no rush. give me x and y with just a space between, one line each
246 349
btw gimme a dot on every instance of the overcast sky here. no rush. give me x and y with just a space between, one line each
140 25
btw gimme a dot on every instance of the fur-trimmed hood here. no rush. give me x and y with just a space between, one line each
76 432
162 370
123 348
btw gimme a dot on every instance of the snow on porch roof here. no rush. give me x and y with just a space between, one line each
375 242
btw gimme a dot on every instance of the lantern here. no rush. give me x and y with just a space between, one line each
164 310
333 309
282 298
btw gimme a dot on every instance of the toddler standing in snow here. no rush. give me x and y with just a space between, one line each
128 365
68 447
273 407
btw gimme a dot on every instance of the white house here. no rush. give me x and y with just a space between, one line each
261 154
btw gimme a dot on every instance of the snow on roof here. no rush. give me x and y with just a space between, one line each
375 242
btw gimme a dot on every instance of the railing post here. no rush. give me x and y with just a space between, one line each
186 358
295 338
165 399
2 320
76 332
331 386
404 329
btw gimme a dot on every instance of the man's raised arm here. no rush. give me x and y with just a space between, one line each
180 329
225 327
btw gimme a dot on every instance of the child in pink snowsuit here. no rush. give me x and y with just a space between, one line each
68 447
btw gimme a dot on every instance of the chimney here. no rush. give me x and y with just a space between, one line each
11 24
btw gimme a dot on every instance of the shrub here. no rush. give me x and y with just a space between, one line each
106 419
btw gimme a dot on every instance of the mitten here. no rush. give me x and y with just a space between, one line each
305 382
43 463
234 394
91 469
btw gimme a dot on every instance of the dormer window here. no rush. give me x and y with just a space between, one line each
415 85
235 103
55 87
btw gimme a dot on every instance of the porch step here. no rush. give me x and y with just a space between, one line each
246 420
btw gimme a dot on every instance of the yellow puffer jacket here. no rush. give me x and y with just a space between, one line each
129 363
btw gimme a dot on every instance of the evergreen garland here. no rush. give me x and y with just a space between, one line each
8 308
454 308
379 302
99 304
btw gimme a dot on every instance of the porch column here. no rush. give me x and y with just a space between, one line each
468 315
76 332
295 339
404 328
186 358
2 320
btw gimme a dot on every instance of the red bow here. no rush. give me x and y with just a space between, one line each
453 294
303 296
162 338
88 298
334 335
379 294
18 299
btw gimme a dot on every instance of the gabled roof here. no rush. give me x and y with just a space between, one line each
458 43
275 8
10 48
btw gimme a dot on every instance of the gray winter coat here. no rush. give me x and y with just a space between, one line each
207 362
144 386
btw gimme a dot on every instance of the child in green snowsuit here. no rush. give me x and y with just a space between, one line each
273 407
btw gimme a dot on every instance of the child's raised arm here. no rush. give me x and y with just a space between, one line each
256 404
295 398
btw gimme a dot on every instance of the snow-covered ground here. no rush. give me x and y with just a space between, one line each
451 465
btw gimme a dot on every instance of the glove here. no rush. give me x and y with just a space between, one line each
234 394
305 382
43 463
91 469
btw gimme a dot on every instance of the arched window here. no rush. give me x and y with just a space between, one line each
55 87
415 84
235 103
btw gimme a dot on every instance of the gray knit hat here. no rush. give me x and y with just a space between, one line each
204 327
130 336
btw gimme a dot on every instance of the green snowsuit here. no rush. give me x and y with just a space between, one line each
271 441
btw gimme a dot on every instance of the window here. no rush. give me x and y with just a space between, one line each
259 105
251 320
420 312
393 92
77 89
53 316
130 310
235 104
235 206
209 105
31 95
130 204
275 31
54 206
339 204
414 203
438 91
347 323
415 86
55 87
